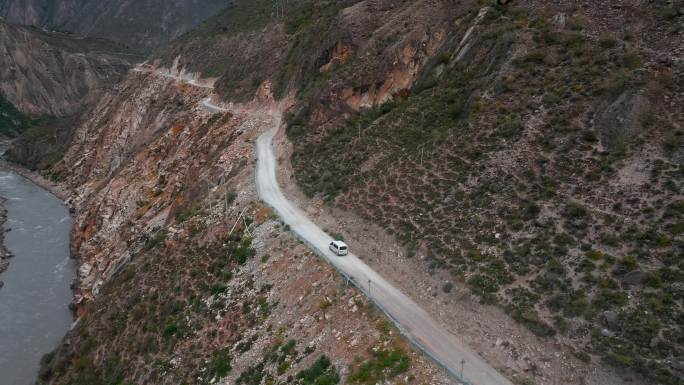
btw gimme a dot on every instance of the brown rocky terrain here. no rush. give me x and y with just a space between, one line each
184 276
516 169
47 80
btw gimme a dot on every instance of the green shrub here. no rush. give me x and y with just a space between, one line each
676 228
608 42
231 196
561 324
170 329
653 280
551 98
443 58
575 211
670 12
321 372
608 299
577 304
594 255
252 375
615 83
632 60
383 365
535 56
618 359
627 263
244 251
674 210
484 286
219 366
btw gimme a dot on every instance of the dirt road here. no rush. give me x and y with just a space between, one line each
413 321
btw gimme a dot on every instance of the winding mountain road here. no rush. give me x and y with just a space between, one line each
414 322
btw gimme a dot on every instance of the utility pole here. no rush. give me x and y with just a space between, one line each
369 287
462 364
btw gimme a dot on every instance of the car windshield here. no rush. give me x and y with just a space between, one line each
343 247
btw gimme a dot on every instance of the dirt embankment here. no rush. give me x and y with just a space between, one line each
55 188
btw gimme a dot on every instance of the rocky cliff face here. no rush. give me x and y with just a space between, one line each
143 25
56 74
184 276
46 81
171 239
39 13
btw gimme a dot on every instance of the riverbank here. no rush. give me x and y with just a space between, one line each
54 188
5 255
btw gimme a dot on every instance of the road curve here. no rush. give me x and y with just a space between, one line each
414 322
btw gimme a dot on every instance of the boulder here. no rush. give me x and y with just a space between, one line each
610 317
620 122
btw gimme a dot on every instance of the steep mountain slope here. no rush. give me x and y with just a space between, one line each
527 154
39 13
242 46
532 151
139 24
537 159
184 276
46 81
51 73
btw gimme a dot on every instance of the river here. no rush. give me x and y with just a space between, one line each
34 301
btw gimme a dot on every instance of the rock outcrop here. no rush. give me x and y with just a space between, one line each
54 73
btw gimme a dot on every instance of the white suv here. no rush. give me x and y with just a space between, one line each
339 248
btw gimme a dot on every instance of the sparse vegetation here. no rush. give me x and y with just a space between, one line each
541 169
383 365
321 372
220 364
443 170
12 122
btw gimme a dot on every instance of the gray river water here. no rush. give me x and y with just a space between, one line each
34 302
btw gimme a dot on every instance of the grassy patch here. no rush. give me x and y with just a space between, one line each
321 372
219 366
383 365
